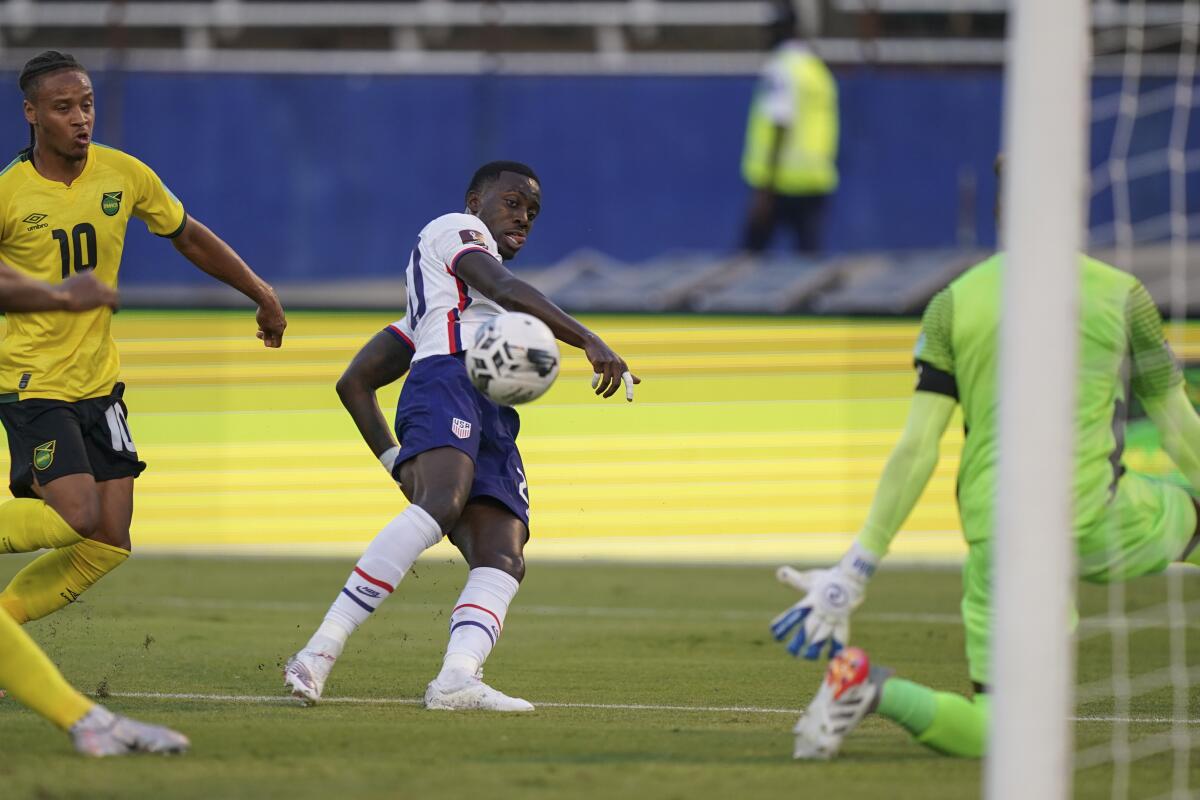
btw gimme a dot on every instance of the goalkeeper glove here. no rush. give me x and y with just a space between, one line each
823 616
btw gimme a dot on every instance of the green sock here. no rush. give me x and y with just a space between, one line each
908 704
945 722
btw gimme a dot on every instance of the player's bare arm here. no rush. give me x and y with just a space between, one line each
211 254
493 279
381 361
81 292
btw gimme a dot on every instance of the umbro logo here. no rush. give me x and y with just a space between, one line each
35 221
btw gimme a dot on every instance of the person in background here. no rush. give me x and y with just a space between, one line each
790 154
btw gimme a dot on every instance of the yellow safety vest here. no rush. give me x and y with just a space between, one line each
808 155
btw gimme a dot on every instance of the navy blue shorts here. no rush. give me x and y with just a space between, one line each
440 408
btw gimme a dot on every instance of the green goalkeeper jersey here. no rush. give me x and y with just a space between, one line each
1121 346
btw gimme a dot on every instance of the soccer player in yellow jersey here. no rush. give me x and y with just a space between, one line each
65 203
24 668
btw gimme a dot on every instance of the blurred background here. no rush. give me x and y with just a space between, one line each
319 137
773 324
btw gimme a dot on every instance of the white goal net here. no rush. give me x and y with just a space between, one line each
1135 702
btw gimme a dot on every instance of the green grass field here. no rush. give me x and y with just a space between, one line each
752 441
651 682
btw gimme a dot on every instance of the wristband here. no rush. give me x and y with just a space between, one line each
859 563
388 458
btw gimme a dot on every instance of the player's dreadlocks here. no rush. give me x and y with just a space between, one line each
39 66
491 171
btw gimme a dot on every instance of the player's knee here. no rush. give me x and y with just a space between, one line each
445 506
515 566
113 535
81 512
510 562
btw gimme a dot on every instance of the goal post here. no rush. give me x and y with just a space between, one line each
1045 134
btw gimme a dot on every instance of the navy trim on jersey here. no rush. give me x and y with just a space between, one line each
455 314
452 267
418 285
399 334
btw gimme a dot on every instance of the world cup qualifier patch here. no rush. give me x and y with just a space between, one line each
472 237
110 203
43 455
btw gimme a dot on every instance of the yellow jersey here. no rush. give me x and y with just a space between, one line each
49 231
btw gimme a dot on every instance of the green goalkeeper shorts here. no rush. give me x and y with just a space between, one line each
1149 524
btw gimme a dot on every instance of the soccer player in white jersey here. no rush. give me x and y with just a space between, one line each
457 461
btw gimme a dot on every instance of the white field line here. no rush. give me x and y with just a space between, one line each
220 604
415 701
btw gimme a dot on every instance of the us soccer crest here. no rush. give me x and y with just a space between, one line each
43 455
110 203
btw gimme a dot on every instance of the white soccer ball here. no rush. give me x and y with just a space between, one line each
514 359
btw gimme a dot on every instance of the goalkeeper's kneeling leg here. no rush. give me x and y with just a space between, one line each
948 723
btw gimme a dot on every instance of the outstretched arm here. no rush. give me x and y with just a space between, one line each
1179 428
381 361
207 251
80 292
487 275
908 470
831 595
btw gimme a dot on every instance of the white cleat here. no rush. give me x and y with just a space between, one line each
462 692
306 673
847 694
102 733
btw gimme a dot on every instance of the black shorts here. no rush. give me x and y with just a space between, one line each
48 439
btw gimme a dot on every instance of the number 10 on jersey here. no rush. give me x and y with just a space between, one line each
77 250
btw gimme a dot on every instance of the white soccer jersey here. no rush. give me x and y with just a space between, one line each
443 312
402 331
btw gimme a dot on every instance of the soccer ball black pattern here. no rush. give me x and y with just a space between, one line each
514 359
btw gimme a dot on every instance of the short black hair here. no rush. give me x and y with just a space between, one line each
41 65
491 171
782 16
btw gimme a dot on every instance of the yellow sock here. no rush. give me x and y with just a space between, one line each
57 578
27 525
31 678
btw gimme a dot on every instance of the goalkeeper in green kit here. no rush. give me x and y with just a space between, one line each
1125 524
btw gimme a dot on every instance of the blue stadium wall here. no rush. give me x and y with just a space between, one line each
321 177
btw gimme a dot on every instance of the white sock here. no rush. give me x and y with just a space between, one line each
375 576
478 619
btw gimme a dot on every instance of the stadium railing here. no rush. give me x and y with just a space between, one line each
387 36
